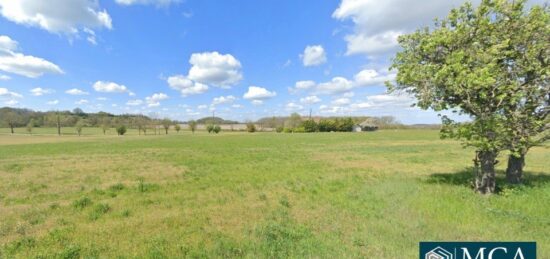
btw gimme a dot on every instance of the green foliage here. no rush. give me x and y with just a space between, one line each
99 210
192 125
250 127
177 127
82 203
78 126
210 128
30 125
279 129
310 126
121 130
217 129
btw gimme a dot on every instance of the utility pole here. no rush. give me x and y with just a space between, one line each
309 113
58 125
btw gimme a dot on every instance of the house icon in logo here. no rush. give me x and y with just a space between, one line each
438 253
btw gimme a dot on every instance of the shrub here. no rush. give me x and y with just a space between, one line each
279 129
287 130
299 130
310 126
121 130
217 129
250 127
210 128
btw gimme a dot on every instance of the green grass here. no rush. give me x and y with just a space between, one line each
260 195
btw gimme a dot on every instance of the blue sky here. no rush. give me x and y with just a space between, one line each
243 59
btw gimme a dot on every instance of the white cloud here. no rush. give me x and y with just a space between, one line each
293 107
257 102
136 102
81 102
202 107
154 100
17 63
303 85
256 93
186 86
41 91
368 77
341 101
237 106
57 16
11 102
378 23
110 87
76 91
213 68
147 2
52 102
4 77
314 56
101 99
335 86
310 99
223 99
5 93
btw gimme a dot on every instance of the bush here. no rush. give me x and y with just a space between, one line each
217 129
210 128
310 126
120 130
287 130
299 130
250 127
279 129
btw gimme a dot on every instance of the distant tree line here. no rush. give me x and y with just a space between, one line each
14 118
297 123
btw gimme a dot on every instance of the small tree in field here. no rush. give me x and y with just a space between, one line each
121 130
78 126
166 125
105 124
30 125
192 125
177 127
490 63
210 128
250 127
216 129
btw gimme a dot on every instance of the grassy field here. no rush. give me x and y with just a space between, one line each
340 195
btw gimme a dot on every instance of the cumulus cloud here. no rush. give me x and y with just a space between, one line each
377 24
147 2
76 91
368 77
312 99
4 77
301 85
57 16
258 94
213 68
5 93
293 107
341 101
313 56
110 87
52 102
14 62
136 102
154 100
224 100
41 91
186 86
335 86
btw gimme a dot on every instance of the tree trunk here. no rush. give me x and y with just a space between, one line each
11 127
485 172
166 130
514 171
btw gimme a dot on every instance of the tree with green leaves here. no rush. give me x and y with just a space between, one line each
105 124
192 125
78 126
484 62
121 130
177 127
30 125
166 124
